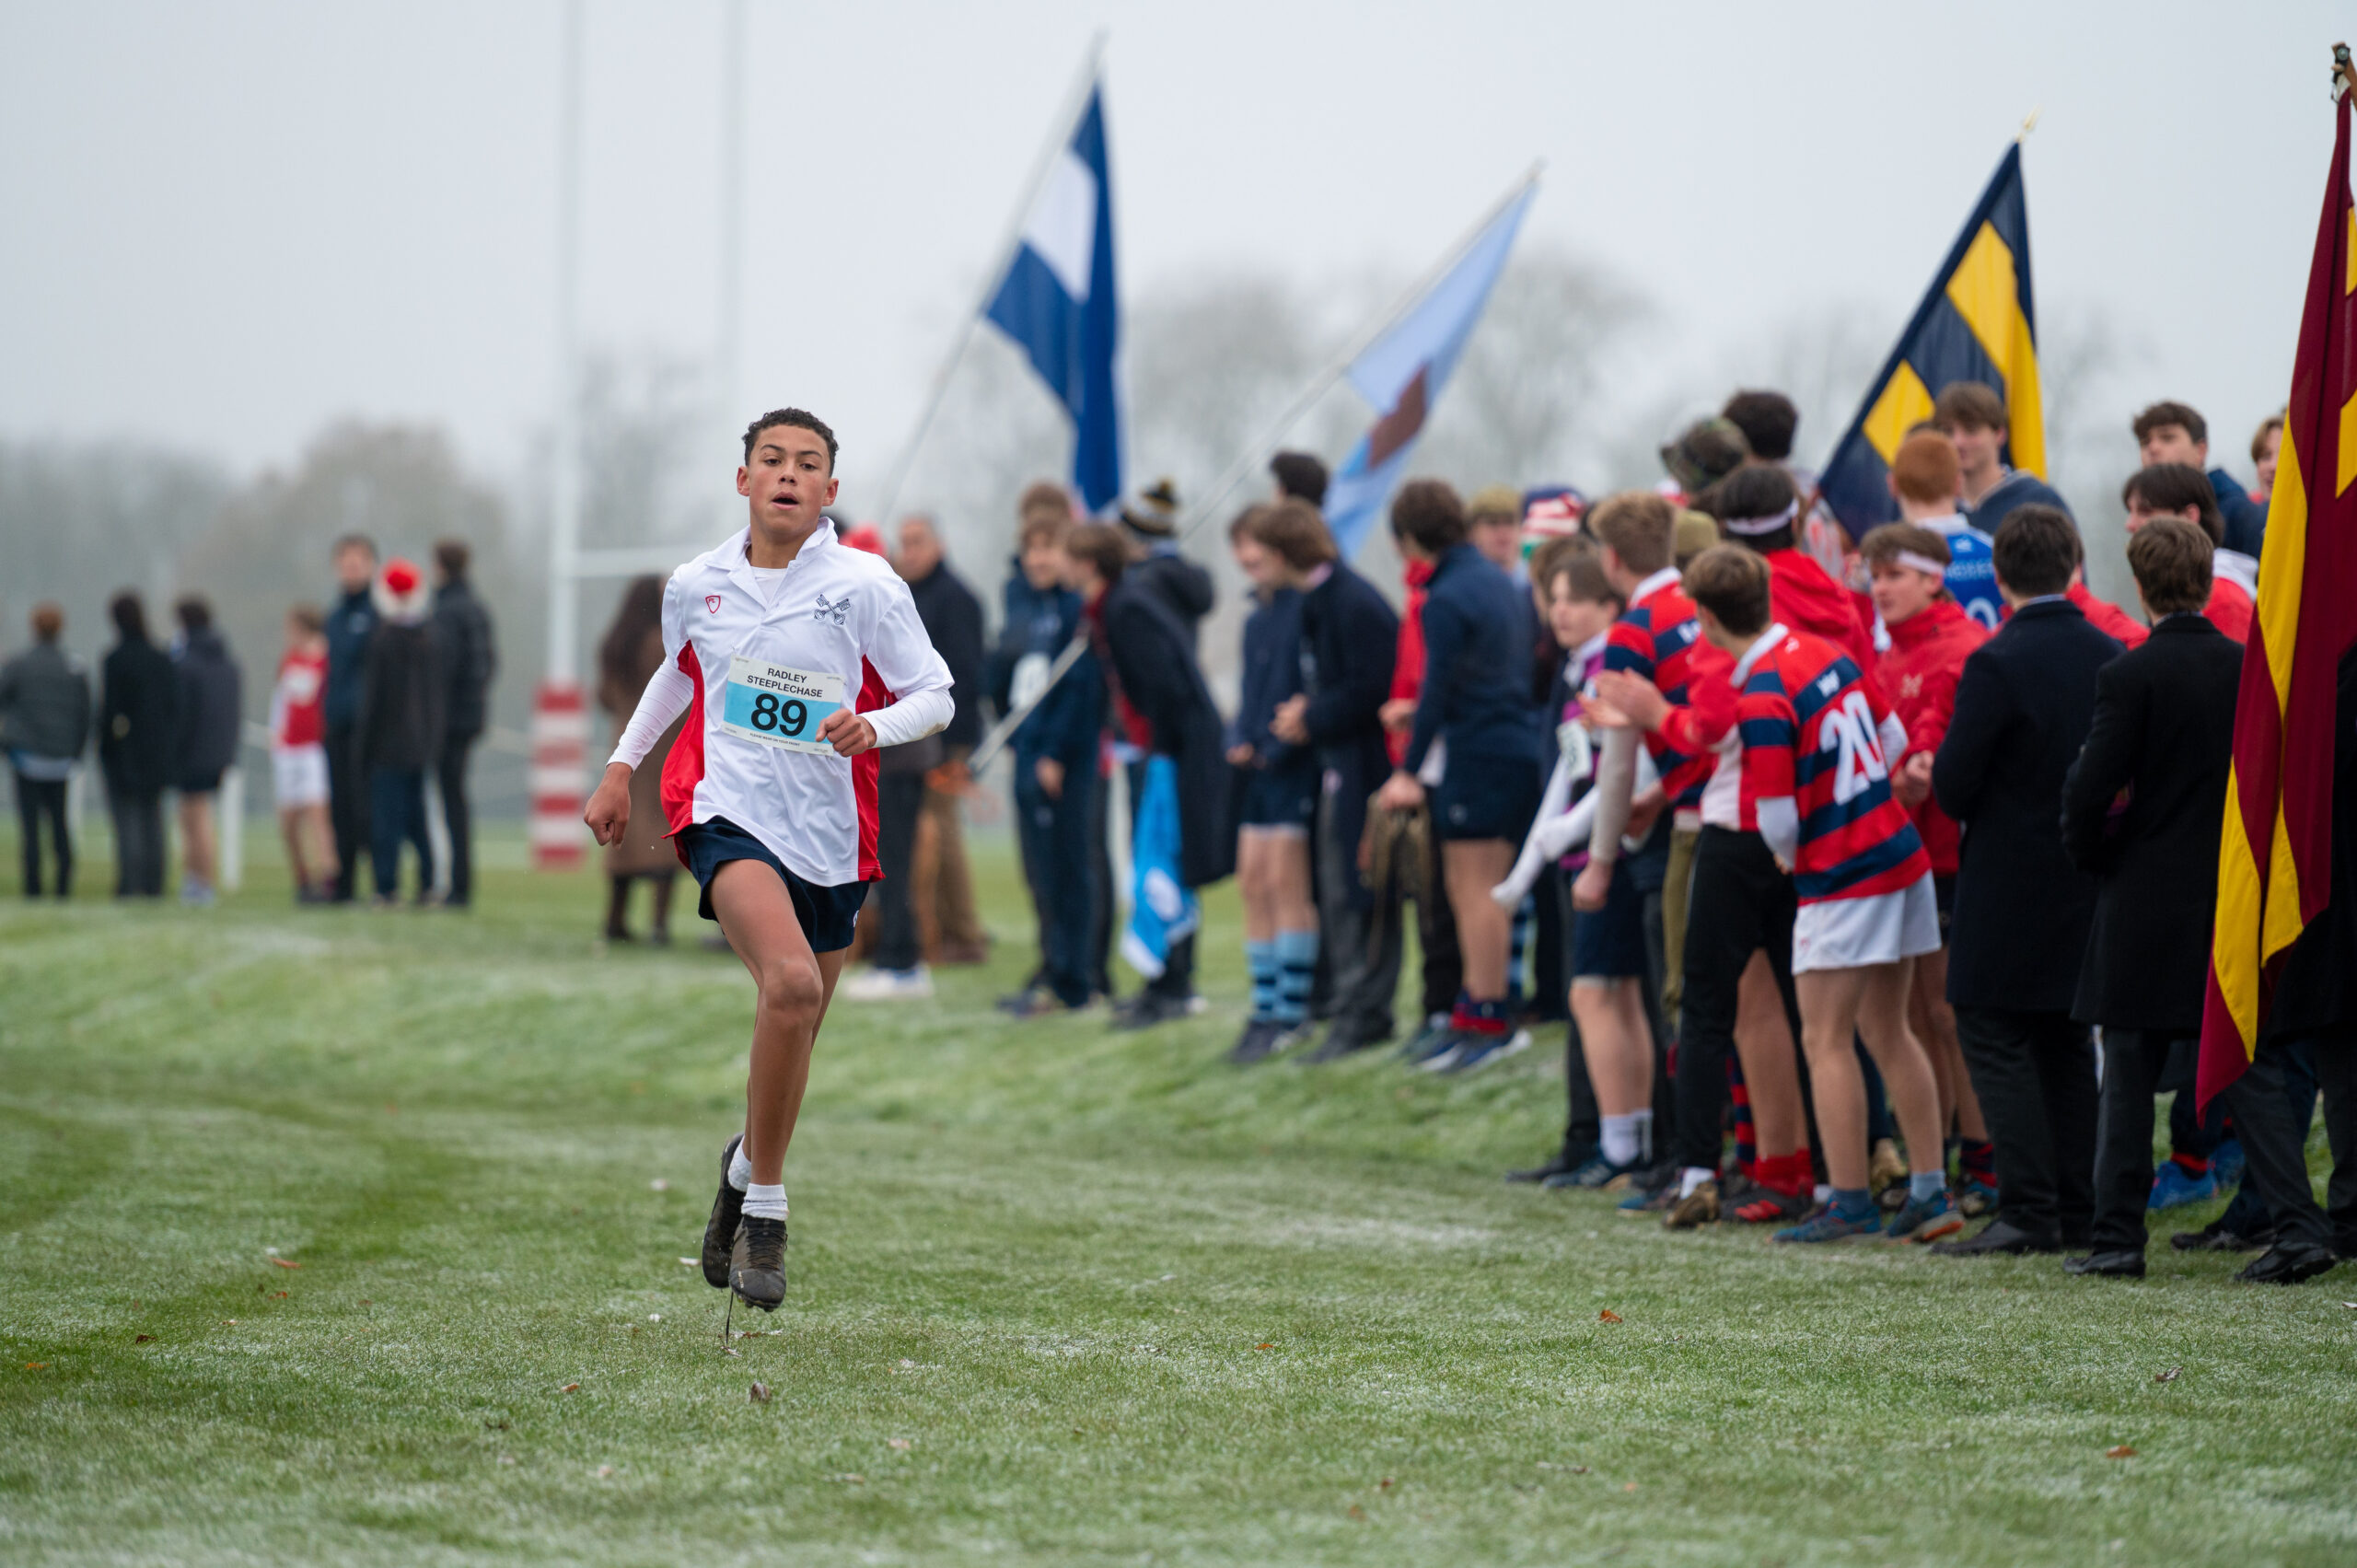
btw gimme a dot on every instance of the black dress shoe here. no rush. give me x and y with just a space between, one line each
2288 1265
1998 1237
2119 1264
2216 1238
1341 1041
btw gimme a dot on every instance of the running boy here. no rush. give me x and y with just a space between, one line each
299 756
800 657
1816 733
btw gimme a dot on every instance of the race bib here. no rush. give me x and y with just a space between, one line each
777 706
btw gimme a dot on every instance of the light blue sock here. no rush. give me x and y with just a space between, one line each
1260 958
1296 953
1922 1186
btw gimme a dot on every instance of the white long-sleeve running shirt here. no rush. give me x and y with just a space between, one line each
763 664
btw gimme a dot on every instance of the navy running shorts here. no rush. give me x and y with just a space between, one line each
828 916
1282 796
1609 942
1487 798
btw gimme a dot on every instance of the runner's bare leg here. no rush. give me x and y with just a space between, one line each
795 986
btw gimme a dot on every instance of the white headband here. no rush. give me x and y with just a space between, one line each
1753 527
1921 563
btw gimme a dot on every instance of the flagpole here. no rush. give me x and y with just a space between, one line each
1059 134
1323 382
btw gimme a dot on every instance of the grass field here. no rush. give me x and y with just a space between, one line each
354 1237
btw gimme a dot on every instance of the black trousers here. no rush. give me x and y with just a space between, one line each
347 805
2035 1075
2275 1144
138 841
2134 1064
1742 903
1361 948
899 798
36 799
458 815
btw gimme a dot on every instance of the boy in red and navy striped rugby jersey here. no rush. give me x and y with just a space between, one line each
1816 736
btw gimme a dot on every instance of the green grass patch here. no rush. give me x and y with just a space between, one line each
1058 1295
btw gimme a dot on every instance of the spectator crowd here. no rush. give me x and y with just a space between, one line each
372 696
1872 877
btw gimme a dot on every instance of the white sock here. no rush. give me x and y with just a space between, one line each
765 1202
741 1170
1620 1139
1822 1193
1643 1120
1691 1177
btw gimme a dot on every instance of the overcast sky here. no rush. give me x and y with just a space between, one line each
223 224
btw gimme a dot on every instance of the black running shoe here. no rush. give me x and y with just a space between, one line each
720 1231
757 1264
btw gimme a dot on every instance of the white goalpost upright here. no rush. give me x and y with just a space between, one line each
560 722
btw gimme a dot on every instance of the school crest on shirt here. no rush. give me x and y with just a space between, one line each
712 603
1910 688
833 613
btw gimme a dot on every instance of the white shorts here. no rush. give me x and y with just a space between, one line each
1851 933
298 775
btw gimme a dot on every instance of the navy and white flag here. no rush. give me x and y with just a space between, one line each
1057 303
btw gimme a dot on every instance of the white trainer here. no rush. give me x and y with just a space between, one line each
888 985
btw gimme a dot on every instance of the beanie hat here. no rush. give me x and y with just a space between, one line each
1551 512
400 592
1156 511
1697 531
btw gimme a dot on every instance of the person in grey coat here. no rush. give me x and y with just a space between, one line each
44 724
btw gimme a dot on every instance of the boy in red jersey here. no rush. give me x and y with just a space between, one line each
1759 508
1931 634
298 757
1815 735
1736 949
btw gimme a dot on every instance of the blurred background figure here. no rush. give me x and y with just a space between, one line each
628 657
351 622
138 737
44 723
211 705
469 659
943 888
299 756
400 727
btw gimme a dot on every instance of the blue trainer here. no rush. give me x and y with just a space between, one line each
2226 1163
1926 1219
2172 1188
1829 1224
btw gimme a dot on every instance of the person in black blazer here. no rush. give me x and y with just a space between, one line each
2162 741
2023 708
138 741
1350 637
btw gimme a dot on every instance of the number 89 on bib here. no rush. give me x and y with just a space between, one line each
773 705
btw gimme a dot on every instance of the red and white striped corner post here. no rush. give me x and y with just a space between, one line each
560 754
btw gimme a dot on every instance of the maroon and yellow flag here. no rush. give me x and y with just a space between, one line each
2275 853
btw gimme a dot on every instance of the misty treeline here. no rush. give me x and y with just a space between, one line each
1567 380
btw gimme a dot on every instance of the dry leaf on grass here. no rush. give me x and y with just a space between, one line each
287 1262
1608 1315
1384 1485
1629 1486
141 1339
1357 1512
570 1389
903 1444
2171 1376
36 1365
2119 1451
758 1394
1265 1344
849 1480
605 1470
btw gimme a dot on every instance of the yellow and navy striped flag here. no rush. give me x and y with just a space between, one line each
1976 324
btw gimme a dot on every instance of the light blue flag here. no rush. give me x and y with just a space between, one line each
1059 304
1162 908
1402 372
